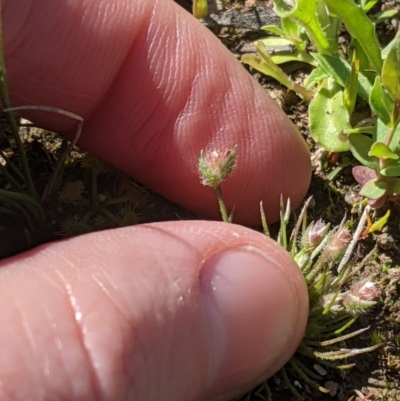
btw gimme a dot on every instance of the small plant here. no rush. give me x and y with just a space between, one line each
376 337
337 295
342 74
214 167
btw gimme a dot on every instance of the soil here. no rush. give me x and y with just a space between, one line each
88 182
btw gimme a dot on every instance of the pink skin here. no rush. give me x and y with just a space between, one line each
154 88
171 311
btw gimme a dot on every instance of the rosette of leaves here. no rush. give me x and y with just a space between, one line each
343 74
336 297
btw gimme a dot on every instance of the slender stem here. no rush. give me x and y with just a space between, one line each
11 165
16 186
221 203
288 384
22 212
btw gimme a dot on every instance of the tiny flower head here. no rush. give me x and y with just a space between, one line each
362 296
336 245
215 166
314 234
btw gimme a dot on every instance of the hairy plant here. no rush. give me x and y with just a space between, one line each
336 293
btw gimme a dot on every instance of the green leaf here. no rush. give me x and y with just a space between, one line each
364 64
340 71
382 132
394 187
391 169
351 87
330 26
373 189
304 12
274 29
367 5
382 16
380 150
360 146
381 103
284 57
328 117
266 66
391 68
380 223
360 27
290 26
317 75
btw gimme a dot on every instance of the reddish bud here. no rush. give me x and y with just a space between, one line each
314 234
362 296
215 166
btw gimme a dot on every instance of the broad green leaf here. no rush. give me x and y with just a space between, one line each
328 117
381 103
360 146
373 189
391 169
275 41
329 25
272 42
274 29
382 132
290 26
340 70
304 12
360 27
391 68
380 150
316 76
393 187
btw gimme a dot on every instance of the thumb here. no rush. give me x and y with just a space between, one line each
172 311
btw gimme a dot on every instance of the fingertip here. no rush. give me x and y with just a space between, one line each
256 316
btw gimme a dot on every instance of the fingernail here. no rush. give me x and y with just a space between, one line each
251 307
